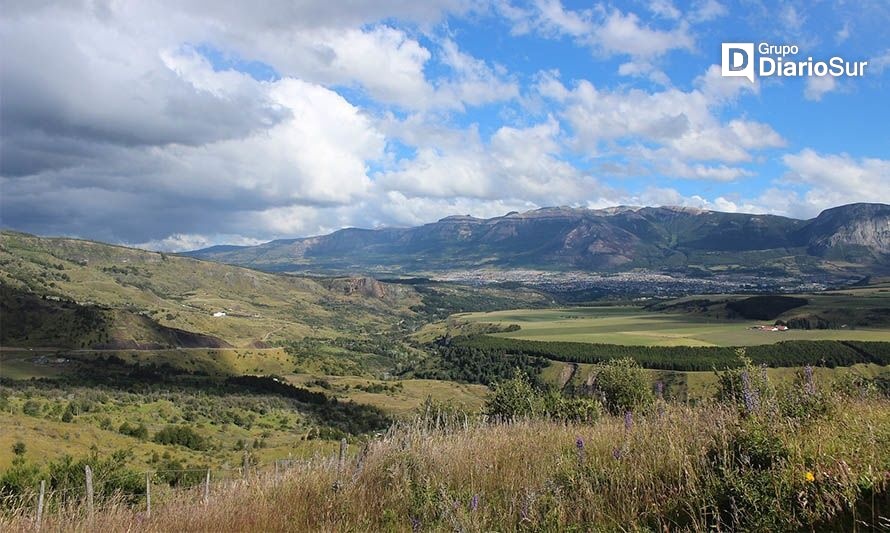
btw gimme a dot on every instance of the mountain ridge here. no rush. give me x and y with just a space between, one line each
614 239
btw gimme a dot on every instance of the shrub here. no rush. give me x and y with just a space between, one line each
518 398
20 478
747 386
514 398
622 386
182 436
803 400
559 407
139 432
31 408
19 448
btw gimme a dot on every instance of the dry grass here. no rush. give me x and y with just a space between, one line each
676 468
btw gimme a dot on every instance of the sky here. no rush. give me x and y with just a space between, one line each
175 125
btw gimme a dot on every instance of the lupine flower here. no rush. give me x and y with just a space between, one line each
616 453
474 503
809 385
579 444
659 389
415 524
628 420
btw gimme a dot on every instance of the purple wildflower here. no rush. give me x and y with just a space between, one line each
659 389
616 453
809 385
415 524
579 444
474 503
628 420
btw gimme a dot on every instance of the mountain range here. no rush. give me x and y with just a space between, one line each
851 239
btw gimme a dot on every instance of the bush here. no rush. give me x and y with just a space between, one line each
747 386
182 436
803 400
518 398
19 448
139 432
622 386
20 478
514 398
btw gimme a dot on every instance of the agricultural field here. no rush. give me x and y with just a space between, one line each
628 325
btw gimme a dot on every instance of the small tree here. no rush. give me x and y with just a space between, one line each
622 385
514 397
19 448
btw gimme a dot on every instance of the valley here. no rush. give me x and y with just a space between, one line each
172 365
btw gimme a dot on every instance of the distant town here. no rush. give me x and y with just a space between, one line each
638 282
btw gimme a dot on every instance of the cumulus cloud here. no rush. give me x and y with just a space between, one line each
517 164
835 179
684 125
606 31
817 86
177 125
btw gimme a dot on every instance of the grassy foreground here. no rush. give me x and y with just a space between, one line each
675 467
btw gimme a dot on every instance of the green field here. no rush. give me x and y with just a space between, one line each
636 327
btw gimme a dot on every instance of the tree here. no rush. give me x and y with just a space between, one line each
514 397
622 385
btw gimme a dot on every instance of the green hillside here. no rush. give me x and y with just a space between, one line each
116 296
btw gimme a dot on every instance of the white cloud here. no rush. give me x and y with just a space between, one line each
817 86
517 165
684 125
880 62
835 179
665 9
707 10
554 17
622 33
842 34
180 242
607 31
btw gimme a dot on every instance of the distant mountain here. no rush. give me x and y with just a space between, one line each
849 238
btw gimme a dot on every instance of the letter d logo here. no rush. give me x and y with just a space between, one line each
738 60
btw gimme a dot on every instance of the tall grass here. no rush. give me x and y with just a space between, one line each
676 467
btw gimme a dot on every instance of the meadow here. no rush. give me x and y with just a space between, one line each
629 325
818 463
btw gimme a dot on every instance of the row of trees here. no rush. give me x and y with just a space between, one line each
686 358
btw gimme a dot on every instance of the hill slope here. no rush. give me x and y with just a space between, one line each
69 293
845 238
72 293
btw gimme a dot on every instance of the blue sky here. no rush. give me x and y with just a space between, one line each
176 125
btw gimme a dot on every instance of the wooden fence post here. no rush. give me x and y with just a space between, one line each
148 495
40 503
342 459
89 476
207 488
